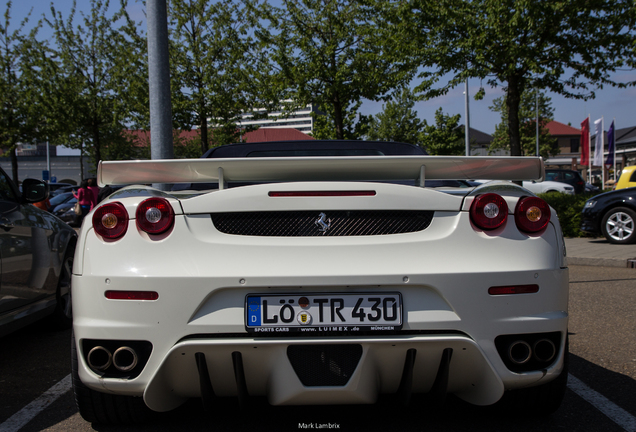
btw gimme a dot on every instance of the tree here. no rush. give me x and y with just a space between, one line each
570 48
94 72
218 66
354 124
398 121
528 125
16 90
332 53
446 137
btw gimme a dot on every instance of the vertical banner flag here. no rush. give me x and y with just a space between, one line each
610 142
599 143
585 142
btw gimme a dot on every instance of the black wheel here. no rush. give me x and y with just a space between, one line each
103 408
63 314
619 225
538 401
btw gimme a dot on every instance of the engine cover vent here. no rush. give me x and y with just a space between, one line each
328 223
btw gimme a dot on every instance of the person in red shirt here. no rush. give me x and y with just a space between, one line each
85 198
92 185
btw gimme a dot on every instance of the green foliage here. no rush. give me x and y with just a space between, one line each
93 69
187 148
333 54
354 125
568 208
446 137
570 48
219 67
528 125
125 147
398 121
18 92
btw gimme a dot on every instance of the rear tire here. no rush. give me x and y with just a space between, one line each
103 408
619 226
538 401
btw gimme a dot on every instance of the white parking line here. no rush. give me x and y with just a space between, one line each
617 414
26 414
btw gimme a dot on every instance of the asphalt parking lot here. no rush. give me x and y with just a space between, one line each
36 395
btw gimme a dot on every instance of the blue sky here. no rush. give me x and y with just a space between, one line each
611 103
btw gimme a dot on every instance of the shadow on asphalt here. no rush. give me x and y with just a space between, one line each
35 357
617 387
455 415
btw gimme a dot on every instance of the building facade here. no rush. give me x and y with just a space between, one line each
569 144
301 119
66 164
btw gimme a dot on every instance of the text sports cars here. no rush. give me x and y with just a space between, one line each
318 272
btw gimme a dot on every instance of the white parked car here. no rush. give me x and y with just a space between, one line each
539 187
548 186
318 272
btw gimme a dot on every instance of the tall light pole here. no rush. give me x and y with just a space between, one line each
537 105
161 146
467 126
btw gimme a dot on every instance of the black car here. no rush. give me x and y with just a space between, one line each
56 188
60 199
612 214
66 211
571 177
63 190
36 258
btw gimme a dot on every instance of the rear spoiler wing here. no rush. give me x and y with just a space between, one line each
348 168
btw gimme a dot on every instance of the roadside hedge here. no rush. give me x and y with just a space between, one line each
568 208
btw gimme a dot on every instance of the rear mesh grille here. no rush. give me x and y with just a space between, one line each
324 365
308 223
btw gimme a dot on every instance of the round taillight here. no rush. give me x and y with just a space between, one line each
155 215
489 211
532 214
111 220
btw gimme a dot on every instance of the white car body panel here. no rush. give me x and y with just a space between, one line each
202 277
548 186
334 168
538 187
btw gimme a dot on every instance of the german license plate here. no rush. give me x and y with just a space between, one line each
323 312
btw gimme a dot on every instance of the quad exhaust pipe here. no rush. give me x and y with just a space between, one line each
544 350
99 358
520 352
124 359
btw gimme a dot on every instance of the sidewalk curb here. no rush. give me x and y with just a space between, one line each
599 262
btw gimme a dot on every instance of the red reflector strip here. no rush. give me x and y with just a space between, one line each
131 295
517 289
322 193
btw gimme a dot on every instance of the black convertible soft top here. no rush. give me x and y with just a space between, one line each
314 148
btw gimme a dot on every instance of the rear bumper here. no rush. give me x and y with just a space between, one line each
433 322
269 372
442 274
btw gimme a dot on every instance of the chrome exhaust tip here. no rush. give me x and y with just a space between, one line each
519 352
544 350
99 358
125 359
